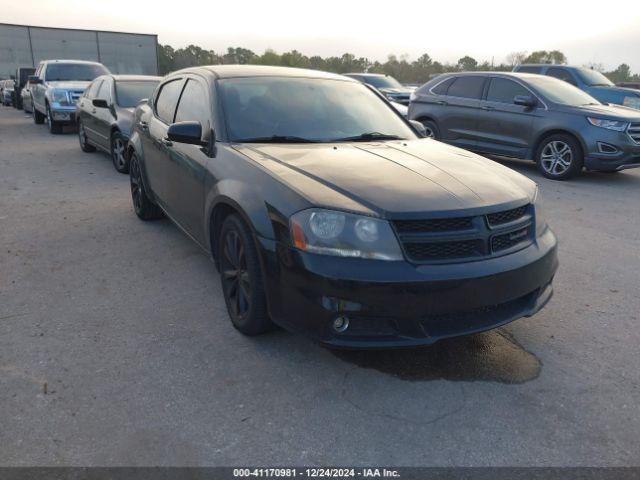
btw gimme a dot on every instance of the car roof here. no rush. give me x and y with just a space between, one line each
237 71
368 74
137 78
520 75
71 61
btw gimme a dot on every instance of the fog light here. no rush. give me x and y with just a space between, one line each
340 324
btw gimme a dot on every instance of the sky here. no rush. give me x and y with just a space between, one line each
446 30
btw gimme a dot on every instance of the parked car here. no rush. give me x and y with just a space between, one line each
105 113
25 96
588 80
7 93
385 84
327 214
55 88
560 127
22 77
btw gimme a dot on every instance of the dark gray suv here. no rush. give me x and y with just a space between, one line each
531 117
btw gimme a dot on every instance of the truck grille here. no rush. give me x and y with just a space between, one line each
634 132
456 239
75 95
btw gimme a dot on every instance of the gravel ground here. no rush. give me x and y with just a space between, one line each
116 349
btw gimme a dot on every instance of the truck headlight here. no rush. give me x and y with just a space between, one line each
341 234
541 220
616 125
61 97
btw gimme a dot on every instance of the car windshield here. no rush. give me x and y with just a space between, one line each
593 78
303 110
74 71
559 91
129 93
382 82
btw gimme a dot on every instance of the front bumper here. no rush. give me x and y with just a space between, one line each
63 114
397 304
611 151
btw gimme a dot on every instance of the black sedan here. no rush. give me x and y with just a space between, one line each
326 213
104 114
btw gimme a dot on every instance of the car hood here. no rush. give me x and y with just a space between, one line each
616 112
396 179
69 84
627 91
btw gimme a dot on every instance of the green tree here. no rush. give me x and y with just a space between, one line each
467 63
544 56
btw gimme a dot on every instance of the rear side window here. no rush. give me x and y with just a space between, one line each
194 104
529 69
503 90
467 87
167 100
561 74
104 93
441 88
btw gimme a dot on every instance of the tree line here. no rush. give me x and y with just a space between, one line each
401 67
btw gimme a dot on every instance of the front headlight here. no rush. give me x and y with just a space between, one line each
341 234
60 96
541 220
616 125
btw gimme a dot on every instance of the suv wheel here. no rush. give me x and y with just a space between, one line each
241 278
144 207
118 152
37 116
82 138
560 157
54 127
431 129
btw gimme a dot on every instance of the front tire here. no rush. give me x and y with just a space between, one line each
82 138
118 152
144 207
241 278
53 126
38 118
560 157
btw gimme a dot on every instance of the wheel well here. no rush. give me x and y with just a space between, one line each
423 118
545 135
219 213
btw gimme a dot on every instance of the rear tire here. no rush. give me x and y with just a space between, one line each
241 277
144 207
118 152
560 157
82 138
432 130
53 126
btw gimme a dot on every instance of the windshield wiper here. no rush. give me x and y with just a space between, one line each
275 139
366 137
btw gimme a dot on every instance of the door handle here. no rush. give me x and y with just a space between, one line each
93 111
165 141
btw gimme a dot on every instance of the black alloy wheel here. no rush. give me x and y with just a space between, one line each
118 152
145 209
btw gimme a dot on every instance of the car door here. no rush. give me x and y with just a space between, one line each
504 127
155 144
102 117
458 121
37 90
85 107
187 164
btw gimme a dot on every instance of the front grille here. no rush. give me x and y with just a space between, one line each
457 239
75 96
508 240
508 216
434 225
634 132
424 251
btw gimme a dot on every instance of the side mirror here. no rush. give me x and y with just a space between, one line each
419 128
186 132
34 80
525 101
100 103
